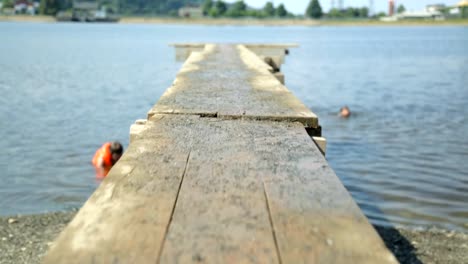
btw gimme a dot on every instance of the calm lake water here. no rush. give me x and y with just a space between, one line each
67 88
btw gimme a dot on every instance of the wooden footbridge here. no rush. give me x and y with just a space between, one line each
223 170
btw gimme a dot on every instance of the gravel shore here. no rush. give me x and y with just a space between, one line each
25 239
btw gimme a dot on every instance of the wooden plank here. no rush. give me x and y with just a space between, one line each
315 219
193 189
183 51
253 182
275 52
126 219
222 171
221 215
321 144
230 81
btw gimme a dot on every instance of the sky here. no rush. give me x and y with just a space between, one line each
299 6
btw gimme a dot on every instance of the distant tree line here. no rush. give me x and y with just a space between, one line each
156 7
51 7
210 8
128 7
220 8
314 10
350 12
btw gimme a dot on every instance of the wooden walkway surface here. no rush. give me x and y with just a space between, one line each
222 171
231 82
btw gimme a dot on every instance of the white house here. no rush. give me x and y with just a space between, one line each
431 12
423 14
435 7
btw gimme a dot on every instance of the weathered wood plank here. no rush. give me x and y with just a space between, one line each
315 219
126 219
222 171
275 52
183 51
221 216
230 81
193 189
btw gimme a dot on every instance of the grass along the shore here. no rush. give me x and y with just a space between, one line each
25 239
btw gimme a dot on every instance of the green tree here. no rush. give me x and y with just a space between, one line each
401 8
221 7
49 7
281 11
207 5
351 12
255 13
238 9
213 12
269 9
381 14
464 11
363 12
8 4
335 13
314 10
218 9
159 7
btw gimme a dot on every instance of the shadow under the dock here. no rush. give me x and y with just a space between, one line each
399 245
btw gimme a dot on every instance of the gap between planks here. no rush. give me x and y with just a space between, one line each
278 253
173 209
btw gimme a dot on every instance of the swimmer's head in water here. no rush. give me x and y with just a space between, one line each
116 150
345 112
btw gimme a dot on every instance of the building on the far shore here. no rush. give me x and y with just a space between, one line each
24 7
431 12
19 7
88 11
84 11
191 12
435 7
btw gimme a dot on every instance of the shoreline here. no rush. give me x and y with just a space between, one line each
23 18
243 21
26 239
